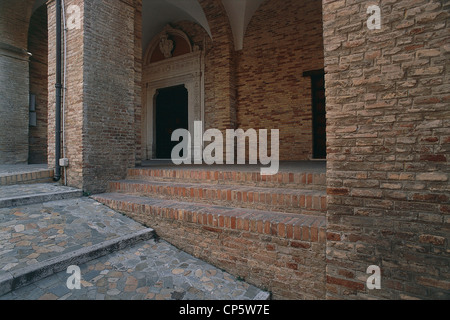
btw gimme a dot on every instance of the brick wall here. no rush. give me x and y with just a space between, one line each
387 102
103 94
285 258
14 80
109 92
74 113
281 42
38 47
262 86
220 87
138 78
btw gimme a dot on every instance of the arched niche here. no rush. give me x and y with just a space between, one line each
171 60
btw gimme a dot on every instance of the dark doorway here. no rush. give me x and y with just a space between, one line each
319 114
171 113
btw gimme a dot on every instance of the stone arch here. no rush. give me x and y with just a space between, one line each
175 34
185 69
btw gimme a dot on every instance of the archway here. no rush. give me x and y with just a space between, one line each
171 61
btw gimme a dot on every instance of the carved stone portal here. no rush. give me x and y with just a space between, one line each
187 70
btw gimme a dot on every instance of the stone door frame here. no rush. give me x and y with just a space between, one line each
187 70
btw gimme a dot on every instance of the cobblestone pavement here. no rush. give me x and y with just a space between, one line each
151 270
35 233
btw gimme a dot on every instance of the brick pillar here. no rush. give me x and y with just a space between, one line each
14 81
138 77
220 82
100 115
387 103
74 111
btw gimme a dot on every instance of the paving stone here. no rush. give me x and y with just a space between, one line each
149 270
160 284
70 236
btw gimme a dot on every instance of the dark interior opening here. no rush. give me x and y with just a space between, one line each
171 114
318 113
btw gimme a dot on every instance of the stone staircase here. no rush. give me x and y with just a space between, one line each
288 192
25 174
285 197
201 209
30 209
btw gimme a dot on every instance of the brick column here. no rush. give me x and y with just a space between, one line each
74 111
101 104
387 99
220 78
14 81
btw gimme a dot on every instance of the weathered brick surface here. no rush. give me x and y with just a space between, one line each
138 79
74 113
388 139
303 180
275 199
102 93
109 92
279 252
41 176
282 41
220 77
387 101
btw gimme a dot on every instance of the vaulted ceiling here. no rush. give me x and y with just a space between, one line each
156 14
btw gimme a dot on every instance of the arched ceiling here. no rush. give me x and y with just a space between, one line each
156 14
240 12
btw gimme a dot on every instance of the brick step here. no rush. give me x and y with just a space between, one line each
294 180
31 177
214 218
276 199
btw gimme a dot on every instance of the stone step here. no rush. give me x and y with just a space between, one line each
214 218
13 176
314 180
274 199
22 277
26 194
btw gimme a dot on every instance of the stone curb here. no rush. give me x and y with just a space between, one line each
39 198
25 276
